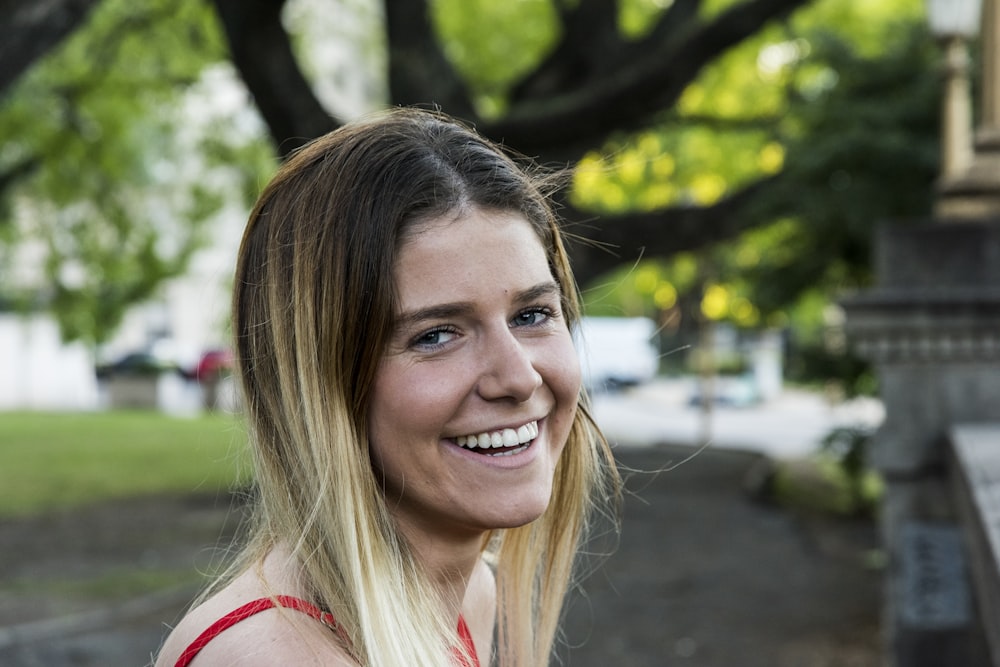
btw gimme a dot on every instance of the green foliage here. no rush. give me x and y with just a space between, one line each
821 484
861 488
658 169
842 101
121 186
636 17
737 122
864 152
493 44
643 290
871 28
59 461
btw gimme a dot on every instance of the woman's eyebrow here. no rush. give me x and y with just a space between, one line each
444 311
547 289
441 311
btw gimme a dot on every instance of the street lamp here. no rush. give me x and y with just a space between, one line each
954 23
954 18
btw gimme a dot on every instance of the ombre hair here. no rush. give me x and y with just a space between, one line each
313 308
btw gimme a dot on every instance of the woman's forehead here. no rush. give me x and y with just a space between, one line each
472 253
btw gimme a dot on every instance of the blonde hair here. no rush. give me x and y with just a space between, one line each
313 307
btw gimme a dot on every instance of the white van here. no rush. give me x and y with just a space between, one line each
617 352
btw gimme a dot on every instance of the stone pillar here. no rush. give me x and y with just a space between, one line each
956 112
989 127
973 193
931 328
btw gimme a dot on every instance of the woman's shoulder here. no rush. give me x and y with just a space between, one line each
264 636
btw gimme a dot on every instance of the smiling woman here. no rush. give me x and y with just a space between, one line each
490 356
425 467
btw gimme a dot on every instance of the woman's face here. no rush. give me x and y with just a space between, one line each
474 398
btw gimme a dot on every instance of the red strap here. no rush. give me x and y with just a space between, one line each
298 604
246 611
470 646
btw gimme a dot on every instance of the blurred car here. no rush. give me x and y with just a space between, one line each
617 352
213 365
136 363
728 391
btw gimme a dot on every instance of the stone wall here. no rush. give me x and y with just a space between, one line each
931 328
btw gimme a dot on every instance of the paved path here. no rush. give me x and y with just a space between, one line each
790 425
706 577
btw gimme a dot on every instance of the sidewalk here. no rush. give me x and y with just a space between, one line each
705 577
788 426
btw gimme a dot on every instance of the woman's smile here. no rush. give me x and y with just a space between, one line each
524 444
502 442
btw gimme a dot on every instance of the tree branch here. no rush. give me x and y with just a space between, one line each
588 49
563 125
419 72
601 243
16 172
262 53
29 29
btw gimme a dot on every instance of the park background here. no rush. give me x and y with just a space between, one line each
731 161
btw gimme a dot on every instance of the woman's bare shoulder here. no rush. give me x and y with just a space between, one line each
269 637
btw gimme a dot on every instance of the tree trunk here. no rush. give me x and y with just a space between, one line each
31 28
262 53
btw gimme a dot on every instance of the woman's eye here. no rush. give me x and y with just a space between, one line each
531 317
434 338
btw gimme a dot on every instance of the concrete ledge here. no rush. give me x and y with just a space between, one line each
934 255
974 457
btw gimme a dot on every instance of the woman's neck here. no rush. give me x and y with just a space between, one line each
449 562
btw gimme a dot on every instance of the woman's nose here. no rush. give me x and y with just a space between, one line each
508 369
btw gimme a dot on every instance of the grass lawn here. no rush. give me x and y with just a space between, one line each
51 461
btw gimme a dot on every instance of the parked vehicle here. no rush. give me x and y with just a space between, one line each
213 364
617 352
214 374
136 363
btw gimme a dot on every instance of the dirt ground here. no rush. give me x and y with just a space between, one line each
703 575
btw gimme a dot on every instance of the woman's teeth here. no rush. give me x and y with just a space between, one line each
507 437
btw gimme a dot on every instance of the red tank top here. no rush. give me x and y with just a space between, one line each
298 604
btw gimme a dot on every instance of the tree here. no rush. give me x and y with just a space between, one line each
680 135
857 142
593 83
104 189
